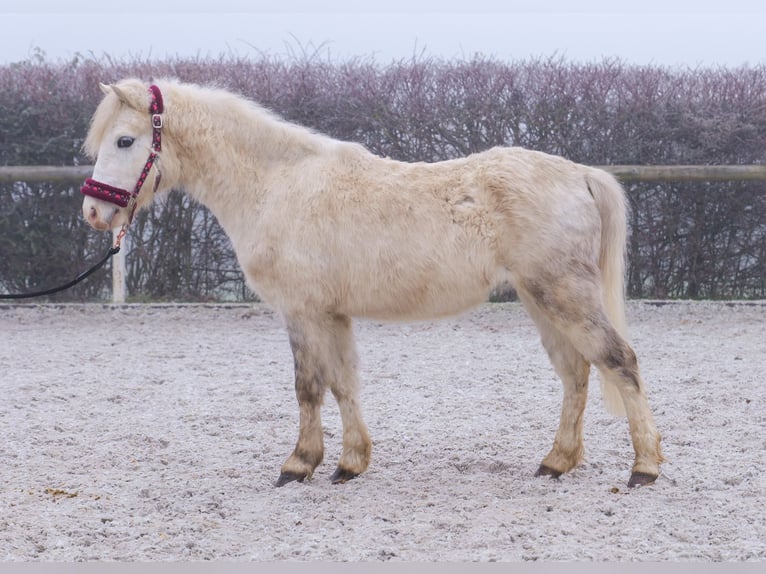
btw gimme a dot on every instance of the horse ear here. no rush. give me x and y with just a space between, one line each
121 94
132 93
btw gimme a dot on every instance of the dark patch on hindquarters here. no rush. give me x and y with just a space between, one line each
542 293
621 358
619 355
571 307
538 293
565 295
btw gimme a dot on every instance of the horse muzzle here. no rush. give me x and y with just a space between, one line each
102 215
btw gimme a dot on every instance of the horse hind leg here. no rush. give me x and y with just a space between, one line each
324 354
574 371
618 365
573 305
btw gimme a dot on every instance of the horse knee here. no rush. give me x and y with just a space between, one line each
310 379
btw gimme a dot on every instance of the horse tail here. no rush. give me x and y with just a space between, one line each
612 206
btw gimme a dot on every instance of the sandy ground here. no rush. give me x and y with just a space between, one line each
157 433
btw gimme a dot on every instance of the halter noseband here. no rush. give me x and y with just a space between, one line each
123 197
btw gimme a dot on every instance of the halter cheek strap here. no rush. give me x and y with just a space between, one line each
123 197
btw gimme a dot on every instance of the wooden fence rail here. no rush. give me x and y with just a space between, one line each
59 174
626 173
680 173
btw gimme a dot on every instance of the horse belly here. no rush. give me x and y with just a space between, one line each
437 259
412 290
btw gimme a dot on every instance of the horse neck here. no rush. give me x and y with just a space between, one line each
227 146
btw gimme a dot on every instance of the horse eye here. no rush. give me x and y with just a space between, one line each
125 141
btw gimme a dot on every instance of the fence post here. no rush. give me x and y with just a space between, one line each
118 271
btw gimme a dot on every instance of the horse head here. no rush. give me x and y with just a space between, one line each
125 138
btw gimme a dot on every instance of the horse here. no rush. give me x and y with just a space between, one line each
326 231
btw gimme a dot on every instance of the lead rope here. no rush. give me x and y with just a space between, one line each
82 276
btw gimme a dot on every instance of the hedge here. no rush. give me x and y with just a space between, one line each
688 240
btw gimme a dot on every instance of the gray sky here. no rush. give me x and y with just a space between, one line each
685 32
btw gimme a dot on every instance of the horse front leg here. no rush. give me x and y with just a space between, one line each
325 355
310 386
344 384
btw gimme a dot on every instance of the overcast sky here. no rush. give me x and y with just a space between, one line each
685 32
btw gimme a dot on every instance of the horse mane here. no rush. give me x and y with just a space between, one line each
201 110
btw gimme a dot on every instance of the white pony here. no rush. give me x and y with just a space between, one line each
326 231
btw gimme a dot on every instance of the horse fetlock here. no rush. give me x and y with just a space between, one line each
354 461
357 451
648 448
299 466
357 448
560 461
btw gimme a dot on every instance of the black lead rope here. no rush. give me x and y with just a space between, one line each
82 276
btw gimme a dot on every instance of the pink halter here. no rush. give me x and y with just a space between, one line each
123 197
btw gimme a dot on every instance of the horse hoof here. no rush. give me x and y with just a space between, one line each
341 475
547 471
286 477
641 479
